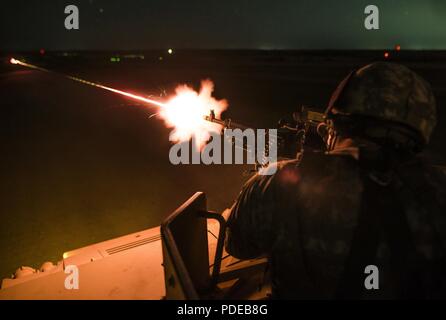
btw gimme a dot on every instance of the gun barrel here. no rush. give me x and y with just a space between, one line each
227 124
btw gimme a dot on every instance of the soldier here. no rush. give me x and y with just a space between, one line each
370 199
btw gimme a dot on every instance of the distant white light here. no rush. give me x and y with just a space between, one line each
170 51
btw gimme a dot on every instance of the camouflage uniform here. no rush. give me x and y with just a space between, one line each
323 220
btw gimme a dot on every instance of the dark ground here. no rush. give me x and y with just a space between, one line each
80 165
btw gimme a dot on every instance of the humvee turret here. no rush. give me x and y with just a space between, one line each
184 258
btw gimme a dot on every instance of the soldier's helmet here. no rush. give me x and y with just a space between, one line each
387 93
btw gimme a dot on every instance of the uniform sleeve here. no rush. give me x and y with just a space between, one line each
249 228
256 219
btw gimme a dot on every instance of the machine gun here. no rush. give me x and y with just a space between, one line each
293 135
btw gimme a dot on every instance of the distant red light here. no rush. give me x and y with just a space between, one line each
398 47
42 51
386 55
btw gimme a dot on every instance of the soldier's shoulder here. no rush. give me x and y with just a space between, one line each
419 167
313 166
439 174
325 164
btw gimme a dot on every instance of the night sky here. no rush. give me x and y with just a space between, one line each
222 24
